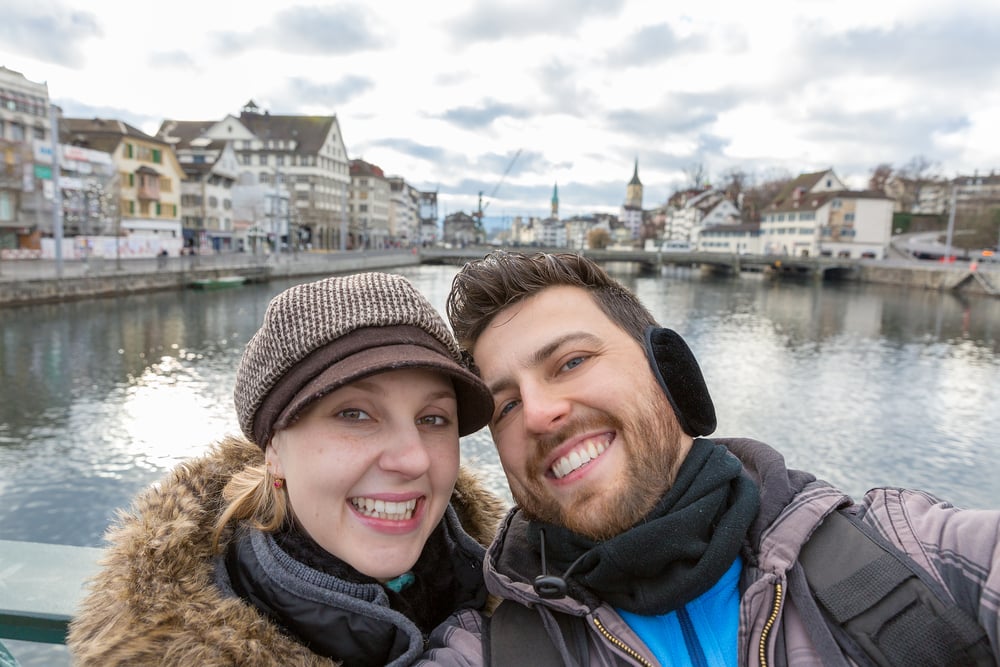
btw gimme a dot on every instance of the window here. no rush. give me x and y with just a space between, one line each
262 159
6 206
213 202
848 217
836 203
279 160
246 158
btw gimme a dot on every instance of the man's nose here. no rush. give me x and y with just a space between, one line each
544 408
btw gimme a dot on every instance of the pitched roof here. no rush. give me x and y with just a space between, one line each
812 201
309 132
101 134
186 131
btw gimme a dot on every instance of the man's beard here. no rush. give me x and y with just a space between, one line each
651 436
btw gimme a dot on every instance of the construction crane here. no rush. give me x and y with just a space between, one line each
482 209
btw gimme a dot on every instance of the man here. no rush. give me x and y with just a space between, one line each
637 540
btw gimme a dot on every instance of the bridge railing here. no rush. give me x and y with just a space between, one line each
41 586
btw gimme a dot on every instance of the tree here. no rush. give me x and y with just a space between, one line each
917 174
756 198
598 238
733 182
880 177
697 174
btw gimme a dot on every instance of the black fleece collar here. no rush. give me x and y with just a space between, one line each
673 555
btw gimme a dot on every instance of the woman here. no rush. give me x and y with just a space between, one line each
340 530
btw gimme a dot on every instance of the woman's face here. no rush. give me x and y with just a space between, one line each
370 467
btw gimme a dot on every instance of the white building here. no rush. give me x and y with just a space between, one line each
25 213
404 212
369 205
210 171
306 154
816 214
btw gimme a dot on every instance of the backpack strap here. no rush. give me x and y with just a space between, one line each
516 636
878 596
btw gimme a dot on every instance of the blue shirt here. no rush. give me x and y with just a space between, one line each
703 633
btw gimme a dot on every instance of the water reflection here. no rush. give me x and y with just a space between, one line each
862 385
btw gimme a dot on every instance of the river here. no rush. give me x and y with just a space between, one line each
862 385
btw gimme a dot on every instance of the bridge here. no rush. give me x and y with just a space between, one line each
653 261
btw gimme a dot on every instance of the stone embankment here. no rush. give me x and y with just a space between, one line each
40 281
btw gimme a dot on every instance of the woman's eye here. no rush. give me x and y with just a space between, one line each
432 420
354 414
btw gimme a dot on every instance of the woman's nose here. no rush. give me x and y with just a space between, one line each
407 453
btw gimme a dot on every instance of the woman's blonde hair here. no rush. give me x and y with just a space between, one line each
252 495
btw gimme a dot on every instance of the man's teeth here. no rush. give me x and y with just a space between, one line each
577 458
385 509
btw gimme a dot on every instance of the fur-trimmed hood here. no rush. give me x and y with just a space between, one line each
154 600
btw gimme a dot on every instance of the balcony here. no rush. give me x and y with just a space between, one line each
148 184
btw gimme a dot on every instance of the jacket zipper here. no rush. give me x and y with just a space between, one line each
770 623
620 644
695 652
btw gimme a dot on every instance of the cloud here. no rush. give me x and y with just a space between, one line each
653 44
432 154
48 32
563 89
335 94
492 22
177 59
309 30
959 49
474 118
72 108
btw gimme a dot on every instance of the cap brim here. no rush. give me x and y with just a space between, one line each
475 403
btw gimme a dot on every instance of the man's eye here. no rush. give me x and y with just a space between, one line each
354 414
505 408
573 363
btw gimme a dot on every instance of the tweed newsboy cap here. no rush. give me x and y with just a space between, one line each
322 335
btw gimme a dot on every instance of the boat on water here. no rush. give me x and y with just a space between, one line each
221 282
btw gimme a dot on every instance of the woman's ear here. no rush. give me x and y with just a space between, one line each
273 460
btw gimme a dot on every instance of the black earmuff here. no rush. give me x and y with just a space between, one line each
679 375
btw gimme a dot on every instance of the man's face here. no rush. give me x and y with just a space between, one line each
584 433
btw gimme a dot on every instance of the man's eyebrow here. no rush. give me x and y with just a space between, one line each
537 357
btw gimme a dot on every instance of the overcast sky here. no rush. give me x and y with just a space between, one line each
445 94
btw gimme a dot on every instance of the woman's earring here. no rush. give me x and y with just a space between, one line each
278 482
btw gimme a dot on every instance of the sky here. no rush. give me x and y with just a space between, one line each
511 98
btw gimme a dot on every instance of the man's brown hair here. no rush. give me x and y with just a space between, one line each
486 286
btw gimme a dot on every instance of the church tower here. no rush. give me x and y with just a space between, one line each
633 192
632 208
555 201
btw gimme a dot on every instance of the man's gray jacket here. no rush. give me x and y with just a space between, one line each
780 622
